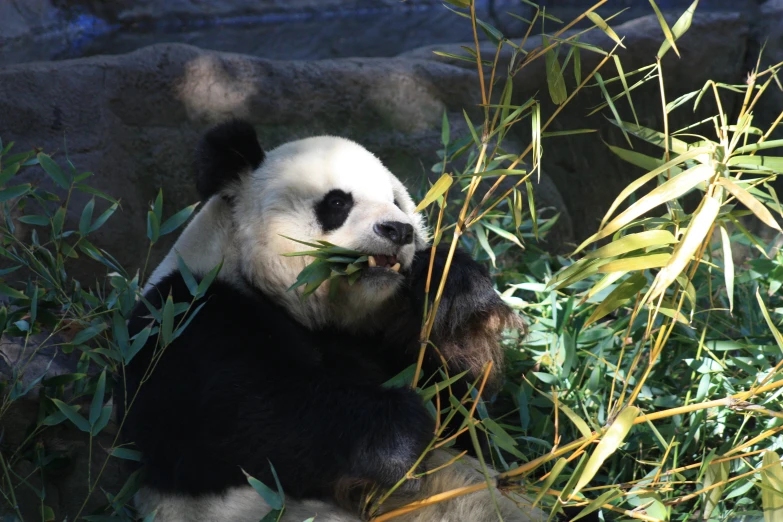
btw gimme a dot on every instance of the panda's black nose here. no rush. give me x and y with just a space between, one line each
396 232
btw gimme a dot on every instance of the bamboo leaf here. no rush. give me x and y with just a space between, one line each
554 75
54 171
666 31
602 25
679 28
627 264
618 297
728 266
553 474
481 235
672 189
72 414
715 473
772 487
175 221
439 188
700 225
771 144
595 505
610 103
770 324
633 242
609 443
752 203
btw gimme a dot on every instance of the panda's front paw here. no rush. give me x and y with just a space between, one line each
396 441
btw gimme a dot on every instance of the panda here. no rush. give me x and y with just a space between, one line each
262 377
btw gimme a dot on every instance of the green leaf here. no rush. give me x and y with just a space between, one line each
97 399
58 220
120 331
72 414
103 217
610 103
153 226
444 132
39 220
126 454
88 333
609 443
481 235
157 206
553 474
206 281
554 75
10 292
775 332
187 276
175 221
273 499
138 343
7 173
167 322
14 192
596 504
86 218
54 171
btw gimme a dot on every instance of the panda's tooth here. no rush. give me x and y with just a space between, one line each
371 261
396 267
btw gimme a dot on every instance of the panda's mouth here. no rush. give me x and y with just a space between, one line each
384 262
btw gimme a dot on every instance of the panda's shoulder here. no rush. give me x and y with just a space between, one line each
223 310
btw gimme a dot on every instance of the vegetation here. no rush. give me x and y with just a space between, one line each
649 385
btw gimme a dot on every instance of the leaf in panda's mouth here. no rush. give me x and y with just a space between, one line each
331 262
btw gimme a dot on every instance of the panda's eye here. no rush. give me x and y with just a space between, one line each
336 202
333 209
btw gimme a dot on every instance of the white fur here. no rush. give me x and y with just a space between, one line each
243 504
278 200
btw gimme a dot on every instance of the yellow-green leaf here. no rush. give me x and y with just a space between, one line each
775 332
633 242
715 473
554 75
553 474
617 297
666 31
771 163
437 190
752 203
667 191
686 249
611 440
637 184
772 487
602 25
728 266
580 424
636 263
679 28
596 504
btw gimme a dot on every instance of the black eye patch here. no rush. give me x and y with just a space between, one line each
333 209
397 204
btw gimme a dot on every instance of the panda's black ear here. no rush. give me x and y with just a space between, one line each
225 153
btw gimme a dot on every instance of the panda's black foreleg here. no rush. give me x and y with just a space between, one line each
317 433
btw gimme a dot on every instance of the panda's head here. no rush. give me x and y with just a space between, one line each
322 188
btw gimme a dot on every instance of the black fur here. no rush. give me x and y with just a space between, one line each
245 385
333 209
224 153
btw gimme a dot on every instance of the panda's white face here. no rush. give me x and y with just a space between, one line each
328 189
321 188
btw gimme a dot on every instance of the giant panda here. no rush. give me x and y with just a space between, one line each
263 376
